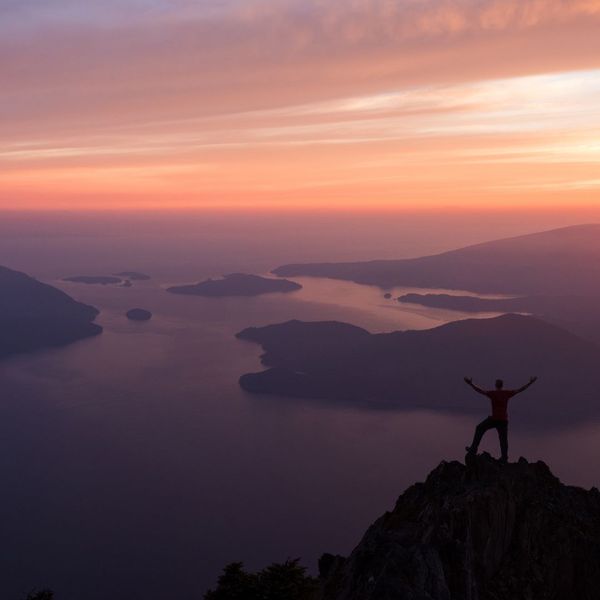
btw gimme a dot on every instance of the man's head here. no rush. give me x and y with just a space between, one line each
499 384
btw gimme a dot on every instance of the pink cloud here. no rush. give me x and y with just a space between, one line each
182 87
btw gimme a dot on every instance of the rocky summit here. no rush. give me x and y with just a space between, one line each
481 531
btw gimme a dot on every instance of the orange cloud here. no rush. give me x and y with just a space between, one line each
321 101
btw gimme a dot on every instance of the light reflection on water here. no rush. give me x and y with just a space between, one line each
133 461
133 465
376 312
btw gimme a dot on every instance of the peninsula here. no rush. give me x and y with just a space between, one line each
35 315
344 364
559 262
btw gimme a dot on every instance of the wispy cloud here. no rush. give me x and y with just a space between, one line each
289 95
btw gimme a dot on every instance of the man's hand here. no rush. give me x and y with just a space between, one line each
531 381
469 381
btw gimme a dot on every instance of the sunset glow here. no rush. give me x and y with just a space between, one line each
281 103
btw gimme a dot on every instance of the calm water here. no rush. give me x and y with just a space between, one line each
134 466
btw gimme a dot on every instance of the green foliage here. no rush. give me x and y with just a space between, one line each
286 581
40 595
235 584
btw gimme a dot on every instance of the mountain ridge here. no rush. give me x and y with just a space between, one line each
344 364
557 261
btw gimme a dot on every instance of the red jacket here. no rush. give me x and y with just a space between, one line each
500 400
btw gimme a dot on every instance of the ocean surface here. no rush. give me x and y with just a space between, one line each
133 465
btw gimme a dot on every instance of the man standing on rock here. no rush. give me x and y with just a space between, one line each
499 418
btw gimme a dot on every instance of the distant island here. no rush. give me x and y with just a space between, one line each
138 314
133 276
474 304
341 363
554 274
94 279
122 279
237 284
579 314
559 262
34 315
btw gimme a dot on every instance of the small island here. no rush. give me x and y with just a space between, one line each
133 276
93 279
138 314
237 284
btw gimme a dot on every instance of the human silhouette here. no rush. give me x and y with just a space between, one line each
499 418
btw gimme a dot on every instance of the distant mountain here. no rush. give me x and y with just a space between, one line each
484 531
578 314
559 262
424 369
237 284
34 315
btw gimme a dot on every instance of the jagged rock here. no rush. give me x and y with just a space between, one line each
485 531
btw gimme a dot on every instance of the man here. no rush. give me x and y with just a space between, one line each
499 418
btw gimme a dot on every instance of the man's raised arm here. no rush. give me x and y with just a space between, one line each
523 388
469 382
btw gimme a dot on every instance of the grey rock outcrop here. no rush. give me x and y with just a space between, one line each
484 531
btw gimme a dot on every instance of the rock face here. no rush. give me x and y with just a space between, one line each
485 531
139 314
237 284
34 315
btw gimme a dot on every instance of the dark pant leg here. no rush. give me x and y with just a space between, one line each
502 427
479 431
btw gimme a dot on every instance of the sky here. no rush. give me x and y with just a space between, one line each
337 104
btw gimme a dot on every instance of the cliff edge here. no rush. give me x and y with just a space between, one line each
481 531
